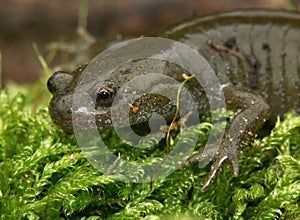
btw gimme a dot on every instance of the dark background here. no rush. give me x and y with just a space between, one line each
23 22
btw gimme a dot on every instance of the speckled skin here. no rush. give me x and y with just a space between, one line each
254 53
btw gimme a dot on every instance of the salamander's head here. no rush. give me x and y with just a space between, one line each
130 95
132 84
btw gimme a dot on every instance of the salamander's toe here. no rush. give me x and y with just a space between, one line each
223 155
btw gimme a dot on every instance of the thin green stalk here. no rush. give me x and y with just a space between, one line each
186 78
41 59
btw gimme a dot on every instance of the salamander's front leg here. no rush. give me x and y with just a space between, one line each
251 112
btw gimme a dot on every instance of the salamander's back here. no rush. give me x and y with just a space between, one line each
256 49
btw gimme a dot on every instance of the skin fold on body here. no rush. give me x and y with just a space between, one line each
255 55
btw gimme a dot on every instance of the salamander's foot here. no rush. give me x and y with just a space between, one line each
251 112
230 154
225 153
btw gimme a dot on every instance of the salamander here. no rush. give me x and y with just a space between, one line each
255 55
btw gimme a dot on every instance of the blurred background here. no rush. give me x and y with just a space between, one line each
24 22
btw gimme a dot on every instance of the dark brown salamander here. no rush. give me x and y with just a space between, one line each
254 53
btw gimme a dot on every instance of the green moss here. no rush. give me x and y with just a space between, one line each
43 175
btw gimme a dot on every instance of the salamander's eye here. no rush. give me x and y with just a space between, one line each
103 94
105 97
